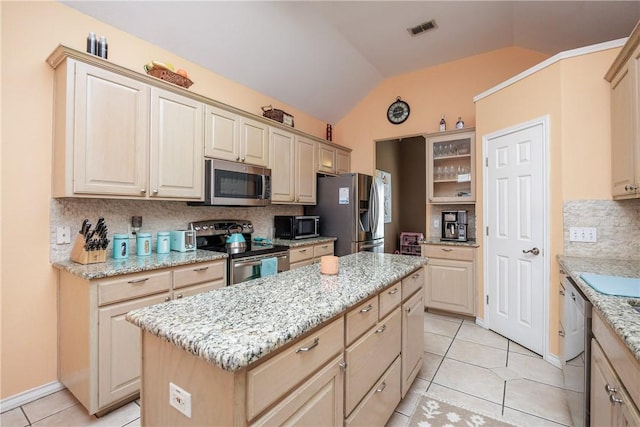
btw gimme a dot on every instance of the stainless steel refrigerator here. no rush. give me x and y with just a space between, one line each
350 207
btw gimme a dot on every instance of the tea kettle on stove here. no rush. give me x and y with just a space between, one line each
235 241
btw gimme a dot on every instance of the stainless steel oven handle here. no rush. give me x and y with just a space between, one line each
254 261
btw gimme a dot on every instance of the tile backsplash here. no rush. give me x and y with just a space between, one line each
156 216
617 226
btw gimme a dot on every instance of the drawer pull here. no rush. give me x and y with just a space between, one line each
201 269
382 387
343 366
167 299
393 291
325 246
447 249
416 276
303 250
179 296
613 399
408 310
366 309
311 347
381 329
610 389
138 280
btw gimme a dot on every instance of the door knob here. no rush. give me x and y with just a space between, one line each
534 251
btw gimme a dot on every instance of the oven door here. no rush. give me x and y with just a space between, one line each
243 269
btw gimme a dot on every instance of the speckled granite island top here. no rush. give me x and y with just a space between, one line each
616 310
136 264
236 325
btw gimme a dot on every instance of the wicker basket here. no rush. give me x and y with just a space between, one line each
169 76
277 115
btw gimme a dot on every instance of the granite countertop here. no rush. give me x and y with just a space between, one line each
136 264
434 241
234 326
303 242
616 310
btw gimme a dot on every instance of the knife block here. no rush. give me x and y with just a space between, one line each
82 256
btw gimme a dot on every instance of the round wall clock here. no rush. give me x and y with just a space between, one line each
398 111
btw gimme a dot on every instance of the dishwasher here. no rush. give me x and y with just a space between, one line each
575 332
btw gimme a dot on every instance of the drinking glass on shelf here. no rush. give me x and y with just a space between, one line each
437 151
438 173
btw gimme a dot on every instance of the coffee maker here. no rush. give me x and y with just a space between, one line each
454 226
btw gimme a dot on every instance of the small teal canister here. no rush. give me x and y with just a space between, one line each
163 242
143 244
120 246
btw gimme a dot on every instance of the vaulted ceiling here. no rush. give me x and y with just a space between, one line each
323 57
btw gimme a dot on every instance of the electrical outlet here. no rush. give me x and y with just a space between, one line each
63 235
583 234
436 223
180 399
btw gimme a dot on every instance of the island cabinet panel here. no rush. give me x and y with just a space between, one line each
412 283
319 401
363 370
379 404
412 339
361 319
390 298
269 381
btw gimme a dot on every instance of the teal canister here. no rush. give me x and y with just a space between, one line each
143 244
120 246
163 242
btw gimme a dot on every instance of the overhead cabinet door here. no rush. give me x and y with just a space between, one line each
110 137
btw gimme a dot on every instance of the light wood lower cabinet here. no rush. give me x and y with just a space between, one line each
99 351
412 339
307 255
450 281
615 379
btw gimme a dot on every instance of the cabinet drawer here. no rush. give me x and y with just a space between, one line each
187 291
389 299
323 249
381 400
462 253
412 283
361 319
199 273
300 254
268 381
132 286
301 264
363 368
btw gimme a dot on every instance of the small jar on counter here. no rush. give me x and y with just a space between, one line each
143 244
120 246
163 240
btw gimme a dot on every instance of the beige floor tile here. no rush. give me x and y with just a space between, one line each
517 348
537 399
121 416
429 315
470 379
408 404
13 418
397 420
477 354
506 373
134 423
536 369
439 326
77 416
464 400
49 405
430 364
527 420
436 344
474 333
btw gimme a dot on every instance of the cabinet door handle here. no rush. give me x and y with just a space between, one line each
343 366
133 282
366 309
382 387
155 191
408 310
381 329
610 389
415 276
201 269
393 291
613 399
167 299
143 190
311 347
179 296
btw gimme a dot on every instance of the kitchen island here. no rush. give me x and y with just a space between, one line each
257 351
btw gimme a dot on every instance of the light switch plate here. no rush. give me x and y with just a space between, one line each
583 234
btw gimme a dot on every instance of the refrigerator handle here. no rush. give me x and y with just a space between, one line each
373 208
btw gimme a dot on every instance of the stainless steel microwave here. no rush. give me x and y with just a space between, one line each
294 227
236 184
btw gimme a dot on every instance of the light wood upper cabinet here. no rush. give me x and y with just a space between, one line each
230 136
451 167
176 160
101 132
293 175
332 160
343 161
624 76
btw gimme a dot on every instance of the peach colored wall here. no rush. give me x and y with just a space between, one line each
30 31
444 89
575 96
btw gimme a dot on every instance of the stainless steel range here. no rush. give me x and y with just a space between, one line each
244 263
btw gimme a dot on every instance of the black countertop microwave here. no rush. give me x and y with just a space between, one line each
293 227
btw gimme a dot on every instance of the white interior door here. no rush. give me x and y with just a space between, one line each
515 212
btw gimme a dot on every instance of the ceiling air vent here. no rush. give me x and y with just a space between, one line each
425 26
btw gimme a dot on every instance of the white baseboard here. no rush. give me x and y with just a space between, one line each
30 395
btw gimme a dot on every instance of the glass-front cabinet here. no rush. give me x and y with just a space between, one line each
451 166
